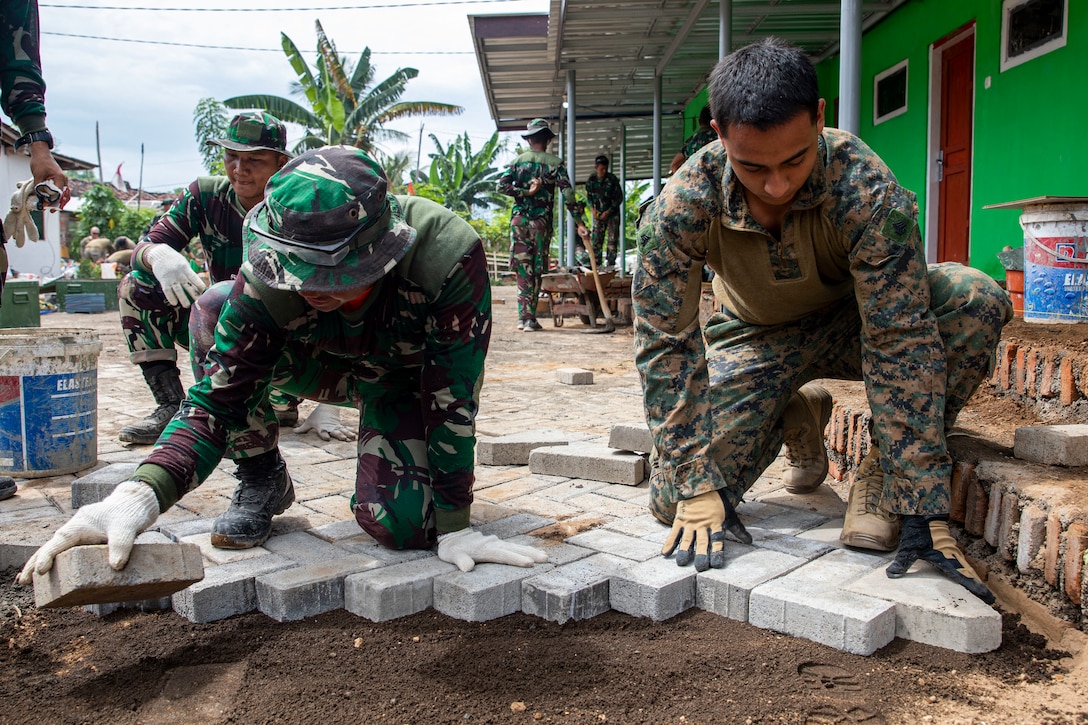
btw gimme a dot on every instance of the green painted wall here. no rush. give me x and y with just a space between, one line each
1030 125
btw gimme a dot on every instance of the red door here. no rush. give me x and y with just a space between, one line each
954 205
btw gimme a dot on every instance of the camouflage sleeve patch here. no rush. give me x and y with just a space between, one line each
898 226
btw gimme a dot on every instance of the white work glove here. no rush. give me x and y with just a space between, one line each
17 222
325 422
116 521
179 282
467 548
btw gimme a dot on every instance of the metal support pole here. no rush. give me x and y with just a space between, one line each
657 135
725 28
850 67
623 205
571 169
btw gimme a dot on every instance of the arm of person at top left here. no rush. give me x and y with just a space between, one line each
669 352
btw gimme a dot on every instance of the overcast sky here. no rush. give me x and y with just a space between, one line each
145 92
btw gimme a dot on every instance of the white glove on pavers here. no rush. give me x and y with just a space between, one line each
467 548
116 521
325 422
179 282
17 222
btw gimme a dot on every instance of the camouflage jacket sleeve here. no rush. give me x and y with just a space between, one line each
208 210
22 89
903 356
669 351
563 185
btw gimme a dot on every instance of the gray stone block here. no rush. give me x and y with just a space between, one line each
182 529
811 602
657 588
310 589
339 531
99 484
800 546
515 525
578 590
631 437
487 592
83 575
931 609
226 590
1032 536
574 376
514 449
1053 445
394 591
302 547
19 541
726 591
594 462
621 545
558 552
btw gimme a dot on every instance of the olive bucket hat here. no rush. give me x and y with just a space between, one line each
538 127
326 224
254 131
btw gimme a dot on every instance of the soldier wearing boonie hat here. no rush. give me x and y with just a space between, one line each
532 179
353 297
154 299
605 195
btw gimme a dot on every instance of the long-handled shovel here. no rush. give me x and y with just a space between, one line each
608 325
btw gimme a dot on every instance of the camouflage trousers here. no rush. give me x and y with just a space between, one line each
610 229
393 499
530 240
754 370
154 328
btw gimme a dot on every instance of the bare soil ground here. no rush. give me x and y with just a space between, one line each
69 666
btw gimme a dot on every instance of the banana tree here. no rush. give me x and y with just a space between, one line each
464 179
345 107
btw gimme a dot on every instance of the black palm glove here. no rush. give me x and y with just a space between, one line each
928 538
698 531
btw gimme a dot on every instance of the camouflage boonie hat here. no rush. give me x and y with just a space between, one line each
326 224
254 131
538 126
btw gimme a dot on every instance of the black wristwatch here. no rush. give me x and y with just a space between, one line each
29 138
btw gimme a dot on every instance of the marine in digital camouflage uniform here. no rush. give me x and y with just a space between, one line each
605 195
346 296
22 99
702 136
211 211
532 179
821 273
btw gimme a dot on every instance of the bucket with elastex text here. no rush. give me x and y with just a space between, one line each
1055 262
48 401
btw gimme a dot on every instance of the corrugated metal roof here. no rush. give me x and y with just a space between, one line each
615 48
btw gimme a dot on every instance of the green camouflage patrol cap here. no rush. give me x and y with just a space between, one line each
254 131
326 224
538 126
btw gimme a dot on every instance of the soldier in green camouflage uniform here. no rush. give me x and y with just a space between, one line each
821 273
155 319
346 296
702 136
22 96
605 197
532 179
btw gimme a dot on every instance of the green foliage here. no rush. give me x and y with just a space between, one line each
133 222
88 270
210 121
494 231
636 190
466 180
342 109
101 208
396 168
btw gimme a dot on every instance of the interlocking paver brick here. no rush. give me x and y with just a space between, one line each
574 376
656 588
99 484
631 437
515 525
1053 445
726 591
303 548
394 591
226 590
487 592
579 590
83 575
588 460
514 449
610 542
309 589
810 602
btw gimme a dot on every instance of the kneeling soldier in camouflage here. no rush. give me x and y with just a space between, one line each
348 296
820 273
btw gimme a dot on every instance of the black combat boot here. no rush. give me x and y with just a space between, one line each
264 490
164 379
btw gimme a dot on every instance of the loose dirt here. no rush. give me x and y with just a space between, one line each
69 666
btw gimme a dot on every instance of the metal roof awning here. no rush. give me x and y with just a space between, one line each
616 50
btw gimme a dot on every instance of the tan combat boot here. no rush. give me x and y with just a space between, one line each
868 525
803 424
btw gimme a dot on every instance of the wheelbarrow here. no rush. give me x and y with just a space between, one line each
569 294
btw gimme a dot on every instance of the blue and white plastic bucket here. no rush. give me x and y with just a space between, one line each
1055 262
48 401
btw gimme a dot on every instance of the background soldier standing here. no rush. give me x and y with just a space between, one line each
605 196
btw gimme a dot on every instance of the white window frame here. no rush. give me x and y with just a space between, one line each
1053 44
901 65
